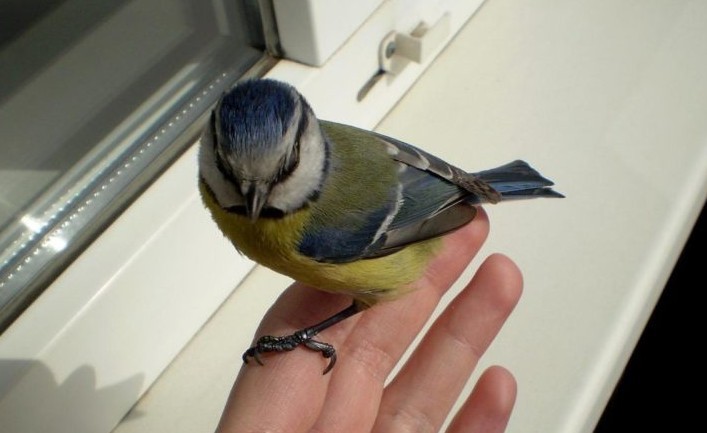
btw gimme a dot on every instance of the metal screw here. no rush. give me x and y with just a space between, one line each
390 49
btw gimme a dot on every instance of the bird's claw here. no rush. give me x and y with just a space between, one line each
287 343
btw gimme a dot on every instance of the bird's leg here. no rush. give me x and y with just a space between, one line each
304 336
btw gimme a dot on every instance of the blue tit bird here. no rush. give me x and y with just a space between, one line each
338 208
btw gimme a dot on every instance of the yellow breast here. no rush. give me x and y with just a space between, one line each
274 243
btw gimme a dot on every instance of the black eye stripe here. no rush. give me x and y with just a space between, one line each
222 167
302 125
289 166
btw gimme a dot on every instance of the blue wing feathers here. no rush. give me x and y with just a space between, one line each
344 244
428 198
423 195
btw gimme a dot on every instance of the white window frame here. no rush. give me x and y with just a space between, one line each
119 314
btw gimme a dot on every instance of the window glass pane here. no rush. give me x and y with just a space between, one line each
93 96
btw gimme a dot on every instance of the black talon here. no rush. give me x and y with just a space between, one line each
327 351
304 336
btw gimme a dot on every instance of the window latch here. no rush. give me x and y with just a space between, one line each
397 50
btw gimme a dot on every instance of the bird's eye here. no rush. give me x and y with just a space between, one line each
289 163
294 156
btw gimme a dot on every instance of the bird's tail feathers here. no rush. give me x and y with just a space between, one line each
518 180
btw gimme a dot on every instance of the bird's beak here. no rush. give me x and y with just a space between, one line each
256 195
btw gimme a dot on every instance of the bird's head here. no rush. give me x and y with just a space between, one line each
262 152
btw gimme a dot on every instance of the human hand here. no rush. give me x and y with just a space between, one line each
289 394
